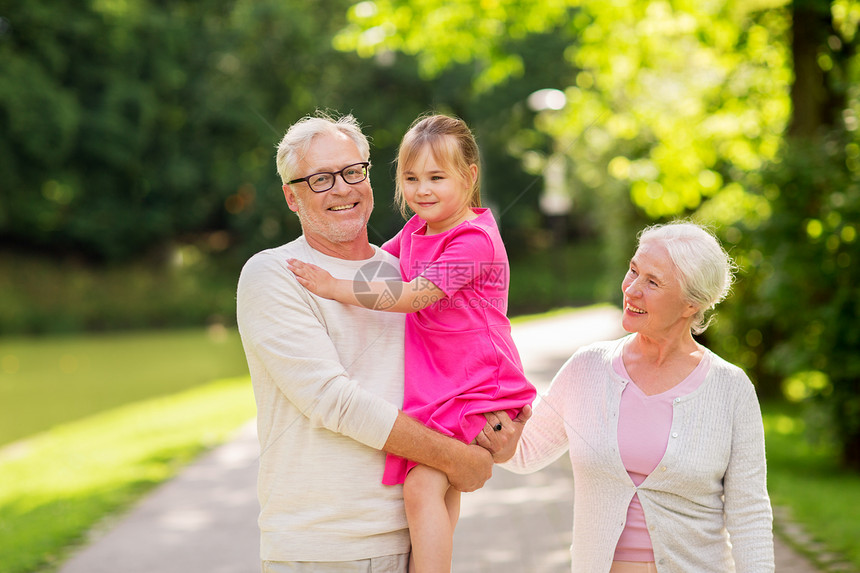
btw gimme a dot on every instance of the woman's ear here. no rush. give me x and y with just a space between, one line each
691 310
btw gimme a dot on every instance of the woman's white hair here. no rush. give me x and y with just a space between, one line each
705 270
300 136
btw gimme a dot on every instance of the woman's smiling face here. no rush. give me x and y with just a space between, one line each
654 302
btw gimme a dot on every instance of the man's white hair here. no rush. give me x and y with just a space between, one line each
300 136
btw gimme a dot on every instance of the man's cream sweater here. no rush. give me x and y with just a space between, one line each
328 381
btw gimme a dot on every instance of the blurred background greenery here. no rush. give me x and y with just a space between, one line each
137 172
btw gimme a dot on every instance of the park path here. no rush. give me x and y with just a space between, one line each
204 520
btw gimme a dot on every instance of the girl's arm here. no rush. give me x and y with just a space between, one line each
391 296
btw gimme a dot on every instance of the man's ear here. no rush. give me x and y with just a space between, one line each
291 198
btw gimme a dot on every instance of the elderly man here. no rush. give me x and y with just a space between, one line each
328 378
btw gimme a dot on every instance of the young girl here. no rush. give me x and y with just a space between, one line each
460 359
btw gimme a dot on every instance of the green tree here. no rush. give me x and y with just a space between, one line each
793 319
108 109
741 114
669 104
129 127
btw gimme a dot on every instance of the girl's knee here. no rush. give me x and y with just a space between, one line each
422 481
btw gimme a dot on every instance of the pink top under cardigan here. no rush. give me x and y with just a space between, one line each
644 423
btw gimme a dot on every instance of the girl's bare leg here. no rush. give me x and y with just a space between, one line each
427 495
452 502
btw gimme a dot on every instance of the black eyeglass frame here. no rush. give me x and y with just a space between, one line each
365 165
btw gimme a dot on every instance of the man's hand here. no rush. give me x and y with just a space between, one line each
501 435
317 280
468 467
472 473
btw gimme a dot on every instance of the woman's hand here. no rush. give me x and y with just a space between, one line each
501 435
317 280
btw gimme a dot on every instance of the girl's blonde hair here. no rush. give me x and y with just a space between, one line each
452 144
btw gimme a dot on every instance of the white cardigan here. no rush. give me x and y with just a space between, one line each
706 504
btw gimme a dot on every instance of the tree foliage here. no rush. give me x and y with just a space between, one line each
793 319
740 114
128 125
96 95
685 96
670 105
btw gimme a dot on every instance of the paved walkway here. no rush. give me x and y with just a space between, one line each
204 520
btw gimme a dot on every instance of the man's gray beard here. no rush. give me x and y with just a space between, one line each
343 233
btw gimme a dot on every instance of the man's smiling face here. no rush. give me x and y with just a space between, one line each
338 216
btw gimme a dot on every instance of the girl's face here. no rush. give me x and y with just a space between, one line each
437 193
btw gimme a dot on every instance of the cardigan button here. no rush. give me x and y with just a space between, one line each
674 434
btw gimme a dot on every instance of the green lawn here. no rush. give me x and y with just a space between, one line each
56 485
807 479
59 379
91 422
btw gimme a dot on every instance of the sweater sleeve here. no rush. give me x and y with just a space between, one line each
544 438
749 518
292 349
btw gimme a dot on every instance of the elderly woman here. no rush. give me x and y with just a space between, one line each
665 437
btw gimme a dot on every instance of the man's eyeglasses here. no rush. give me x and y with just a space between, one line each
319 182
